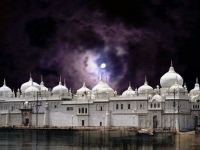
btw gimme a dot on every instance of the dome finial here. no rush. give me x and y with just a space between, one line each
145 82
171 64
30 77
84 84
129 83
64 83
101 76
60 80
4 82
196 80
42 83
106 79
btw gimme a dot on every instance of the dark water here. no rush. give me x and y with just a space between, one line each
93 140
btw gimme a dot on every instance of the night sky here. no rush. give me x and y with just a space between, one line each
72 38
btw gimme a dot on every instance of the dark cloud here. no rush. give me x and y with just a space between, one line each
40 31
72 39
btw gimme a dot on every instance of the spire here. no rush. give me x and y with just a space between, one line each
101 76
64 83
106 79
84 84
145 82
171 69
197 84
30 78
42 83
129 87
4 82
60 81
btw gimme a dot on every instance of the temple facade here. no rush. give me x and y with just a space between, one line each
170 106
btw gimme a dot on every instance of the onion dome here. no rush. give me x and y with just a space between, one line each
157 98
176 87
102 88
145 88
31 89
5 89
106 89
28 84
167 80
83 90
128 92
42 87
196 89
60 89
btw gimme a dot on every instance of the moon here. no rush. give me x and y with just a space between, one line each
103 65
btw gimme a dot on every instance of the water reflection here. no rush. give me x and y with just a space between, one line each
93 140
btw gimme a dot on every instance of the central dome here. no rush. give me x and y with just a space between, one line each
168 79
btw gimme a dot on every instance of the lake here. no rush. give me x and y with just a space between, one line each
93 140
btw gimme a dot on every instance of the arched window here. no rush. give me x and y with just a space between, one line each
86 110
193 106
129 106
79 110
82 110
198 106
121 106
117 106
101 108
154 105
158 105
151 105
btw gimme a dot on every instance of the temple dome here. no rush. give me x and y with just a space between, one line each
145 88
102 88
196 89
157 98
26 85
128 92
83 90
60 89
31 89
5 89
177 87
167 80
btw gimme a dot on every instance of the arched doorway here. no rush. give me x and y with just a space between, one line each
155 121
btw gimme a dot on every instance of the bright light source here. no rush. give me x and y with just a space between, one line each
103 65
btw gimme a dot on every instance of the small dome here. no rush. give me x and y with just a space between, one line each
31 89
176 87
60 89
167 80
145 88
83 90
42 87
5 89
128 92
157 98
196 89
24 86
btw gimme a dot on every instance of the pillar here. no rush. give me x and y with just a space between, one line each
8 117
107 119
46 115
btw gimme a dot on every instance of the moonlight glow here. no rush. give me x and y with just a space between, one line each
103 65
